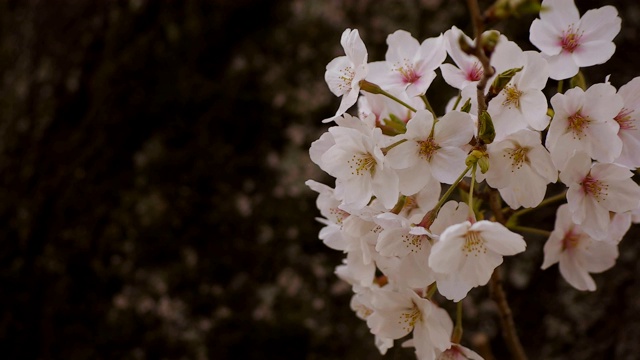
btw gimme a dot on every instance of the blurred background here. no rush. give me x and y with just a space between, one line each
153 157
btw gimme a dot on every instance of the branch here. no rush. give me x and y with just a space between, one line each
497 294
487 69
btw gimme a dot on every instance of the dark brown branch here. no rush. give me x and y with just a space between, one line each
498 294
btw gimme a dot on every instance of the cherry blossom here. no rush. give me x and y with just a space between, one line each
432 149
458 352
357 162
412 244
522 103
398 313
328 204
344 73
577 253
520 168
595 189
629 120
584 121
468 69
473 251
409 65
569 41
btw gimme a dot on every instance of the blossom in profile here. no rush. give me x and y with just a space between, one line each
629 120
576 252
344 73
568 41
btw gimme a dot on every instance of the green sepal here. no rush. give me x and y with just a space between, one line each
486 131
502 80
394 123
578 81
467 106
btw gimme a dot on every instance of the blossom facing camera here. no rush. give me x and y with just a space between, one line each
569 42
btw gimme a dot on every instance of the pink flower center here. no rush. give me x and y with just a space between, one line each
570 39
409 76
570 240
594 188
475 73
624 119
577 124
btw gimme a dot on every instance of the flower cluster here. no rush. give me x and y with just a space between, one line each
403 236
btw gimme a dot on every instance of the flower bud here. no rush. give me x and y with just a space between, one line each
478 157
370 87
489 41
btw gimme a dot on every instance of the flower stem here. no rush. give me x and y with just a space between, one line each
427 220
457 331
473 182
530 230
428 105
545 202
386 149
399 101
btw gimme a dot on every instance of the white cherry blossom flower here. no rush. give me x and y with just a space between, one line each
522 103
520 168
459 352
577 253
362 306
473 251
583 121
344 73
379 107
398 313
468 69
597 189
569 41
453 285
432 150
409 65
411 244
629 120
328 204
357 163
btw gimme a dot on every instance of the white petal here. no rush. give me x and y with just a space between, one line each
499 239
602 24
574 273
446 254
562 66
544 37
